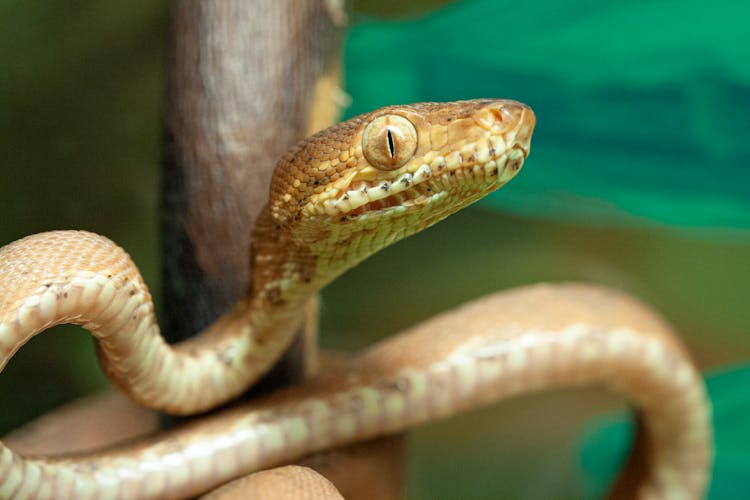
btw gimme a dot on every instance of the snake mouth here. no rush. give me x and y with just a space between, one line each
414 195
480 171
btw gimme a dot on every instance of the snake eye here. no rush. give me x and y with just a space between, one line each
389 141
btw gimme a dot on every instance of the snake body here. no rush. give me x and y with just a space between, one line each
329 208
335 199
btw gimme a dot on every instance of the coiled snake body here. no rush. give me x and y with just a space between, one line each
335 199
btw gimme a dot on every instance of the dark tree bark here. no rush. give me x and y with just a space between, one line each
242 80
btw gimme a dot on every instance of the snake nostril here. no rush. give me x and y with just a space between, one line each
500 116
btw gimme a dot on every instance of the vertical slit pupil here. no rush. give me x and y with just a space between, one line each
391 146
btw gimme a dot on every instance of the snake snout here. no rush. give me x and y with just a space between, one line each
503 115
513 123
525 129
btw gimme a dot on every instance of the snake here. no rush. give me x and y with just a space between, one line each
336 198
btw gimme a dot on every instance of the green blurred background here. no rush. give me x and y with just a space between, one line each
638 179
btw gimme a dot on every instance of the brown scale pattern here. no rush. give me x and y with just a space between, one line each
298 173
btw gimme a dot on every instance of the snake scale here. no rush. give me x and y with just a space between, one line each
336 198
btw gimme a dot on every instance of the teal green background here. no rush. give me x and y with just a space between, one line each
642 106
638 179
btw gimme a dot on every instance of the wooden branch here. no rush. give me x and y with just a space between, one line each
241 78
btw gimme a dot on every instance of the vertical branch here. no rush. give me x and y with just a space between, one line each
241 79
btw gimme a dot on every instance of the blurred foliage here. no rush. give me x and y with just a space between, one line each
80 93
637 180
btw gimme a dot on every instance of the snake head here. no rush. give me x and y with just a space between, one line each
387 174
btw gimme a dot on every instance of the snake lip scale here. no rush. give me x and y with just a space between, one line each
335 198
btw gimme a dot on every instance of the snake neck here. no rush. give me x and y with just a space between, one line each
249 338
284 274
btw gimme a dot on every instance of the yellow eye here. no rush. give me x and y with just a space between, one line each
389 141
